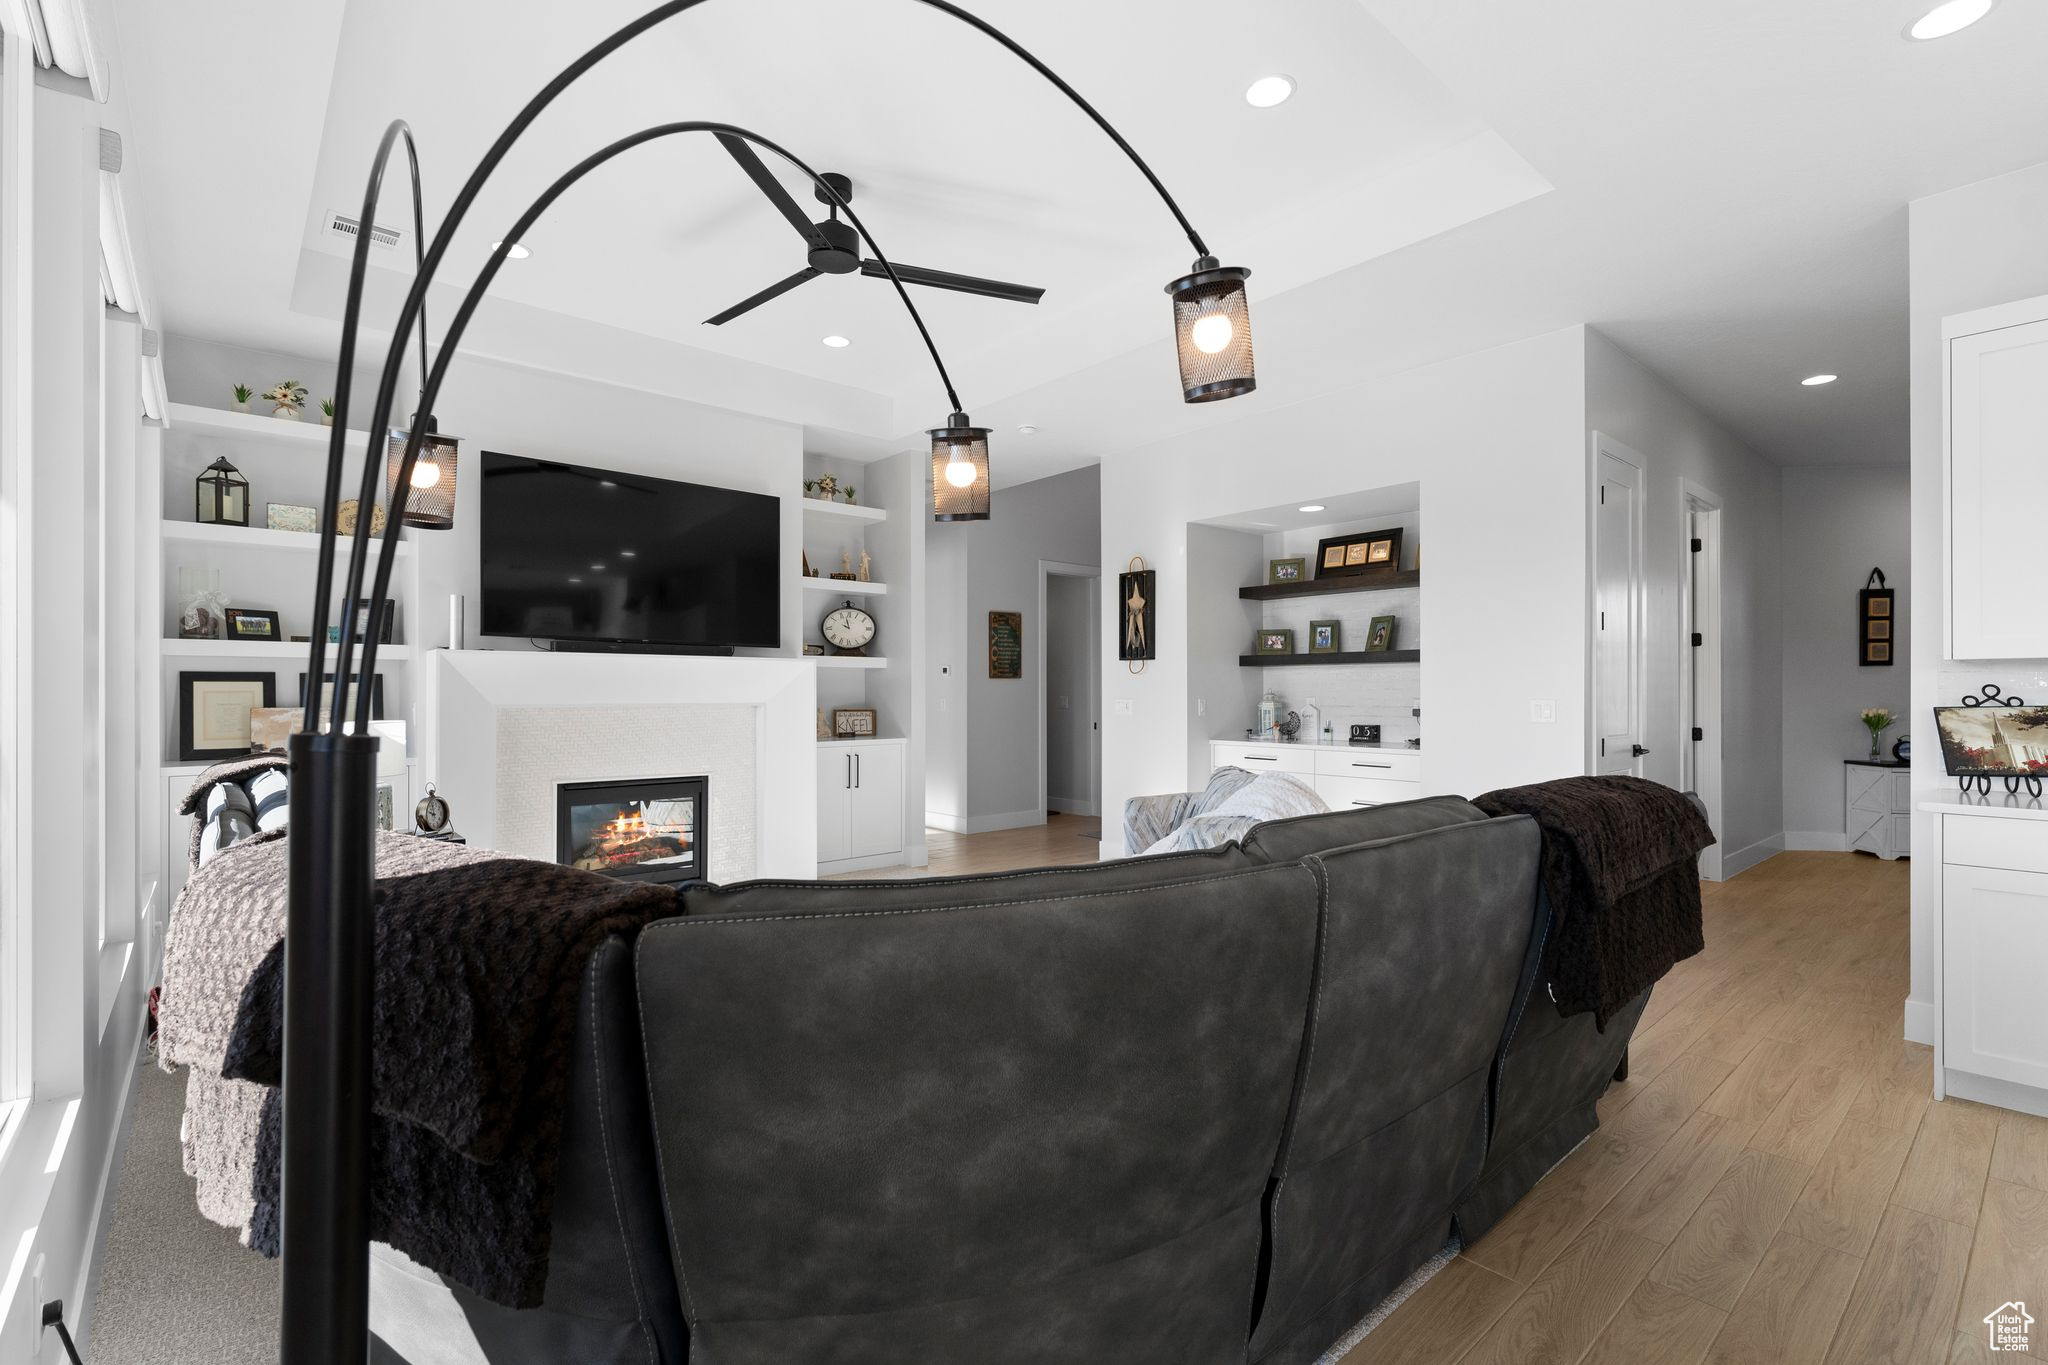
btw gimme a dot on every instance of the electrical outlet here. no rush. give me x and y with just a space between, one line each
35 1288
1543 713
1124 706
1066 703
1201 707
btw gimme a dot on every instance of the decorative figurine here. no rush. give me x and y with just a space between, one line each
866 567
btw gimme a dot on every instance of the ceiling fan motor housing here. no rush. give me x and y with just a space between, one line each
841 253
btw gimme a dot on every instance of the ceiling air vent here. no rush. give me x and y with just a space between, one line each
344 226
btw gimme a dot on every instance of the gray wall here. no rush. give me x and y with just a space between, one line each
1070 683
1839 523
986 772
1223 697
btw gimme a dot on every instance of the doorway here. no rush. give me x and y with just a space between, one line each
1069 688
1617 610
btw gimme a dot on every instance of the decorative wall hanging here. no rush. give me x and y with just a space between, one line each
1874 622
1137 591
1994 736
1006 644
1361 552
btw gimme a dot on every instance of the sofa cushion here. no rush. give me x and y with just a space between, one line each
1001 1133
801 897
1283 841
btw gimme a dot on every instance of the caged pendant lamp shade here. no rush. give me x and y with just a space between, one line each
1212 329
430 497
959 471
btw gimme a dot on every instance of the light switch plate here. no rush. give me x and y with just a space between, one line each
1124 706
1543 712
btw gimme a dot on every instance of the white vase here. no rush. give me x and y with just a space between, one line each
242 406
285 413
326 419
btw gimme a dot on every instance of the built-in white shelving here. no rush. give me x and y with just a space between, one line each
388 656
819 509
255 426
846 587
253 537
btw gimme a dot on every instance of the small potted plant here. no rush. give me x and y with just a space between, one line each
810 488
287 397
849 495
1877 720
327 412
242 393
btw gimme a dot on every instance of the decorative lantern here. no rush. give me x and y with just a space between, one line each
221 496
1212 326
959 470
430 501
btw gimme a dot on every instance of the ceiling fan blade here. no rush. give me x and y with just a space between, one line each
776 290
772 187
964 284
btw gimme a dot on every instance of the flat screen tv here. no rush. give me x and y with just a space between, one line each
578 554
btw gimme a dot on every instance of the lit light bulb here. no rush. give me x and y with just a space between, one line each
425 473
960 471
1211 333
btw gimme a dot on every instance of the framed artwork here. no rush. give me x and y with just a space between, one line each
1137 595
1324 637
1293 570
1360 552
1874 622
291 516
327 697
271 727
1993 741
1379 636
1273 642
853 722
214 711
1006 644
253 625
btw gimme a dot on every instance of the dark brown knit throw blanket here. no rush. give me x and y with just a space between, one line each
1620 869
478 972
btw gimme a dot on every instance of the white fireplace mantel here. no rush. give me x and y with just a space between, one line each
481 704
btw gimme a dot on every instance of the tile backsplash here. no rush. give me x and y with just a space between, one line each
1351 694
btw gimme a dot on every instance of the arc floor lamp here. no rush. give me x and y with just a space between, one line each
331 878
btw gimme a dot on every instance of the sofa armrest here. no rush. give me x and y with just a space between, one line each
1148 819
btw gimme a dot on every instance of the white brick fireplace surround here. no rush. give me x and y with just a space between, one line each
503 728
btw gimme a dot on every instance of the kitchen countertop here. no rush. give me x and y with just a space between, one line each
1335 746
2001 803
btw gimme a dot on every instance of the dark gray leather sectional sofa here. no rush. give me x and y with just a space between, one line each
1206 1107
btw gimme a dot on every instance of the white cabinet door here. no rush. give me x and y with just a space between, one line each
835 798
1998 436
1342 793
874 822
1262 758
1994 940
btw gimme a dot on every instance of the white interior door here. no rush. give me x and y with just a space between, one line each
1617 616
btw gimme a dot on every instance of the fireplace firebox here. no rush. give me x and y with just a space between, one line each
648 830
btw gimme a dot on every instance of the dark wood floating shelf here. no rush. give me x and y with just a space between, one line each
1320 587
1383 656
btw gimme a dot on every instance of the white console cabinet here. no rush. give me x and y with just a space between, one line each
1991 1039
1878 799
1996 402
1344 775
860 804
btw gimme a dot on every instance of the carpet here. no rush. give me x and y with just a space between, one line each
174 1287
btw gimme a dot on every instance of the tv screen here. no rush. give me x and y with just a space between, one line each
573 553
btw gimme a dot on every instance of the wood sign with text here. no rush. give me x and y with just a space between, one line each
1006 644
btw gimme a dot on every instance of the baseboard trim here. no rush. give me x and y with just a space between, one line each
1991 1090
1815 841
1015 819
945 820
1919 1021
1067 806
1743 859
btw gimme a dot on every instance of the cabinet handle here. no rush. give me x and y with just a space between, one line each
849 771
856 769
1372 765
1259 758
1365 803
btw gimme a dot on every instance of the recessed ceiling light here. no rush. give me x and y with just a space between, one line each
1267 91
1310 507
597 568
606 483
574 579
1026 429
835 342
628 554
1951 16
1814 380
517 253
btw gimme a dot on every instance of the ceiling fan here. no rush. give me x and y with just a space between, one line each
835 246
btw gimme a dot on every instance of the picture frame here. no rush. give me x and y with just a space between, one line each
1874 618
853 722
327 697
1325 637
215 710
1993 741
1359 552
1379 635
292 516
271 727
1273 641
1293 569
253 625
1137 595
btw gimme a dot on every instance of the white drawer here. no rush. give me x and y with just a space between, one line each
1342 793
1380 763
1995 841
1263 758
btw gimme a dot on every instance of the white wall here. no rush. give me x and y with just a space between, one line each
1969 248
1497 440
986 770
1681 443
1838 523
1071 681
1213 628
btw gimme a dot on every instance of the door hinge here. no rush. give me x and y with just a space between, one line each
1603 748
1696 546
1698 639
1603 495
1698 733
1603 620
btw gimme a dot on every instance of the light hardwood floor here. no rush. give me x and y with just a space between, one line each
1061 841
1772 1183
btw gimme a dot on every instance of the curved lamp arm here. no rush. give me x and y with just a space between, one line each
459 324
